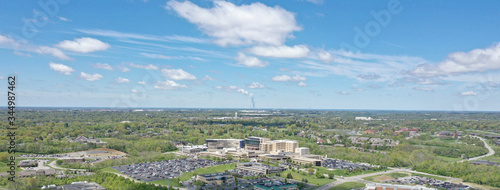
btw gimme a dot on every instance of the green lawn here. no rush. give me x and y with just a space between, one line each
449 159
393 175
171 182
343 172
433 177
348 186
214 169
312 179
109 169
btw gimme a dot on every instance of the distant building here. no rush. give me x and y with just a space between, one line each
218 144
27 163
279 146
81 185
363 118
302 160
369 131
193 149
262 169
216 179
302 150
74 160
382 186
275 185
253 143
482 162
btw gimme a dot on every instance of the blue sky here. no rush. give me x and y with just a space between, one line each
307 54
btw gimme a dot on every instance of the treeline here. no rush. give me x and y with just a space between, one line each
421 160
108 180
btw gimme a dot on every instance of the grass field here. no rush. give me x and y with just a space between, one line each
433 177
312 179
214 169
109 169
448 159
348 186
171 182
391 175
342 172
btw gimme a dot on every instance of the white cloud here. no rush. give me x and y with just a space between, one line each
64 19
468 93
297 51
123 69
157 56
249 61
287 78
91 77
103 66
83 45
256 85
141 82
51 51
13 44
477 60
208 78
317 2
234 89
147 67
426 89
177 74
22 54
115 34
230 24
302 84
121 80
357 89
60 68
134 91
325 57
168 85
343 93
380 68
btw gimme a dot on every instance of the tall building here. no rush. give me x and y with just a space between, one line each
216 179
218 144
253 143
279 146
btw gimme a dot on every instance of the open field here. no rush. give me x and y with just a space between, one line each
312 179
348 186
214 169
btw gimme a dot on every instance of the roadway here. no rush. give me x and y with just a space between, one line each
359 178
491 152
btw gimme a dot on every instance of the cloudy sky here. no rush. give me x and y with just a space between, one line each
307 54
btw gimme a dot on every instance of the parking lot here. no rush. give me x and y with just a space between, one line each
342 164
151 171
418 180
245 173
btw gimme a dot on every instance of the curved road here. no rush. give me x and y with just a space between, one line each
359 178
491 152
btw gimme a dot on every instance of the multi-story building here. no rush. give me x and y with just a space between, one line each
273 185
302 150
253 143
302 160
259 168
218 144
279 146
216 179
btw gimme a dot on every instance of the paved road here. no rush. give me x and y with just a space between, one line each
53 165
359 178
490 151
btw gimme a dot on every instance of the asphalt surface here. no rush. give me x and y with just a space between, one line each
491 152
